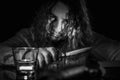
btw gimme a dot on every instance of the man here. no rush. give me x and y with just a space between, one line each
63 26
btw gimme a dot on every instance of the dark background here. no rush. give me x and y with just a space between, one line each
16 15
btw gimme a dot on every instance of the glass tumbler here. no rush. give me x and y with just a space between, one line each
25 59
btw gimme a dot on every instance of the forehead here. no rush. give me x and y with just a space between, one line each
60 10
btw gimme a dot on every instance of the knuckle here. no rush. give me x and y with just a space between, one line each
50 48
42 51
48 54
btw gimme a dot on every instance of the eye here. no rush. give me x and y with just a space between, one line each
52 18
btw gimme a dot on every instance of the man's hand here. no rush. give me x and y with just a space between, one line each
46 55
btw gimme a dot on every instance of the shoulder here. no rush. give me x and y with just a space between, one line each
21 38
26 31
100 39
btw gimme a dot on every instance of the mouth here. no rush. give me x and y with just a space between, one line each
57 37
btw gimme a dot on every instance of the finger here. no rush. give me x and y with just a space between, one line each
49 55
52 52
40 59
45 55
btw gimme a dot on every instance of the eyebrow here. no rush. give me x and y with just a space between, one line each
51 14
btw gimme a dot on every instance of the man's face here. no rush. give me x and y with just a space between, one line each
57 22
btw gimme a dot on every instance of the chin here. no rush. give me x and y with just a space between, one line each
56 39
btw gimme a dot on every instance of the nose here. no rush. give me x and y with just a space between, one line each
58 26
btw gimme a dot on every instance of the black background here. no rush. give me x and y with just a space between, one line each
104 17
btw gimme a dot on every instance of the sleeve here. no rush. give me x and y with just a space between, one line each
23 38
115 55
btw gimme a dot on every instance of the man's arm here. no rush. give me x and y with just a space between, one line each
106 49
21 39
6 55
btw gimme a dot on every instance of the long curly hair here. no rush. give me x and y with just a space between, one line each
78 17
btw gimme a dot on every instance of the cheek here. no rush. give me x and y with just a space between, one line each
57 29
49 28
57 26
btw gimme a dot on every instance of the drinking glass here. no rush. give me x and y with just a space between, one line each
25 59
